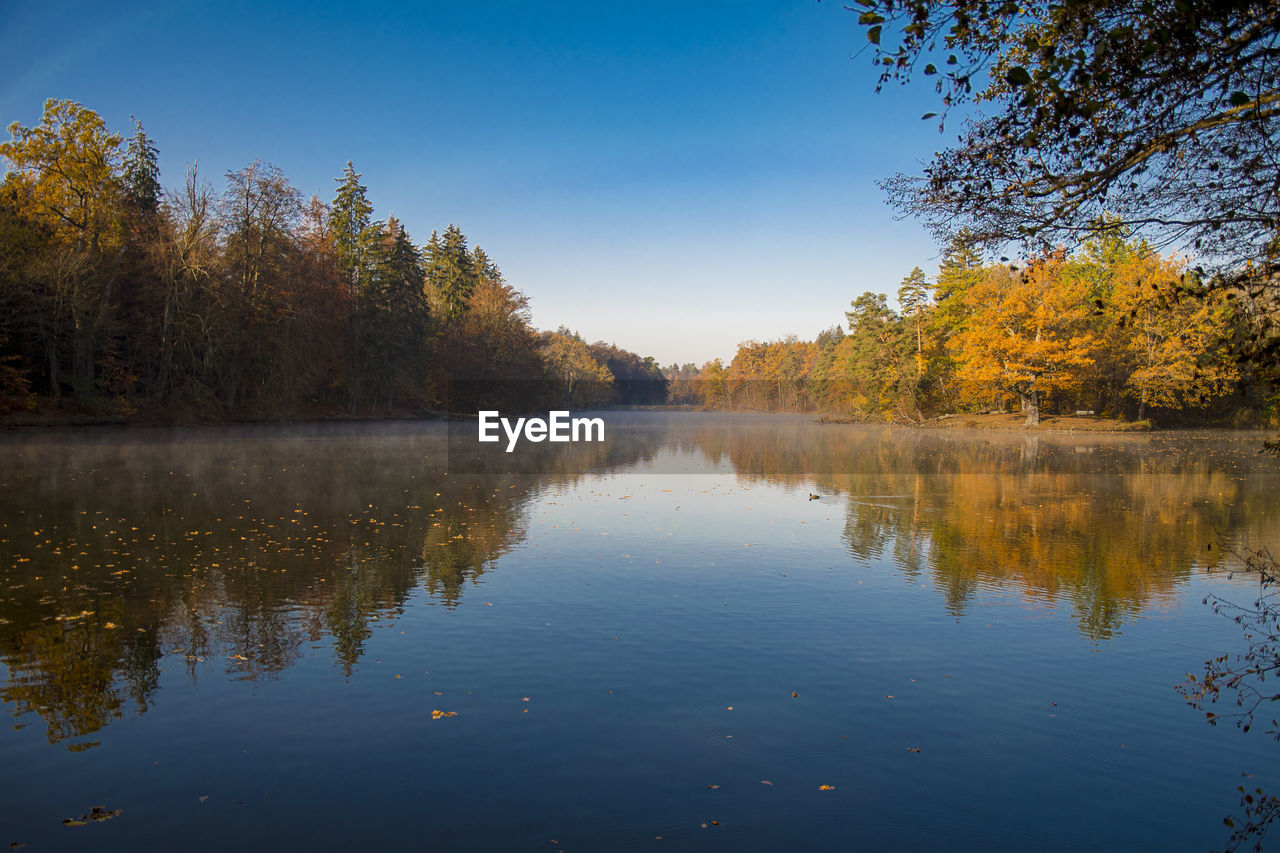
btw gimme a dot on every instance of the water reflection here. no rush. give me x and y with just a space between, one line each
1110 524
245 547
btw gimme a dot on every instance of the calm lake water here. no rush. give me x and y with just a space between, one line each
375 637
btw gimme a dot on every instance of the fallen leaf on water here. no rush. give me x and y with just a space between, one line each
714 787
826 787
888 695
96 813
204 797
794 694
435 715
766 782
913 749
715 823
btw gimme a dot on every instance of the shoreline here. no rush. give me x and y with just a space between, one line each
1016 421
21 421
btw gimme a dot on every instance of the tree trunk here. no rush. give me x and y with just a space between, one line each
1031 406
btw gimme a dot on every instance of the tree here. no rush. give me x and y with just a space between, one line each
1026 333
915 297
354 237
878 359
398 324
260 211
142 174
451 272
1161 113
580 380
960 270
66 178
1174 340
187 262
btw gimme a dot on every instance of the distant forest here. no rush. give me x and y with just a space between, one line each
122 300
119 299
1117 329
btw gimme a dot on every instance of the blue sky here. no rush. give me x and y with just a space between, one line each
673 177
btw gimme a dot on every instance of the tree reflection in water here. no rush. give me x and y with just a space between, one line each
243 546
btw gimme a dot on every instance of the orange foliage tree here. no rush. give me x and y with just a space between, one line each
1027 333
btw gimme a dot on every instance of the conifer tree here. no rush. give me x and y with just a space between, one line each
353 235
914 298
142 173
451 273
398 327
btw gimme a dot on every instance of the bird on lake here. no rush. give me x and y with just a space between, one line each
814 497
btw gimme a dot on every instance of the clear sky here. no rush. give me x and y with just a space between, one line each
674 176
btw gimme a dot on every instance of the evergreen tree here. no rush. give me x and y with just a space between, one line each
914 298
397 326
484 268
353 236
349 225
451 272
142 173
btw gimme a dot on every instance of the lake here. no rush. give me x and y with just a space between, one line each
377 636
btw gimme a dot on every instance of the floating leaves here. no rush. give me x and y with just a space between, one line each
826 787
97 813
437 714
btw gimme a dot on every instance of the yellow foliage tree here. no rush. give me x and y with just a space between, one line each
1175 341
582 380
66 175
1026 333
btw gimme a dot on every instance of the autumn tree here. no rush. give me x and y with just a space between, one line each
186 259
580 380
258 360
637 380
66 179
1026 333
1174 338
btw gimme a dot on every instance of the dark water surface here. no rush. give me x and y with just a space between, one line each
239 637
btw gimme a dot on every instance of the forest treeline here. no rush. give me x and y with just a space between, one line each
120 298
1117 329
